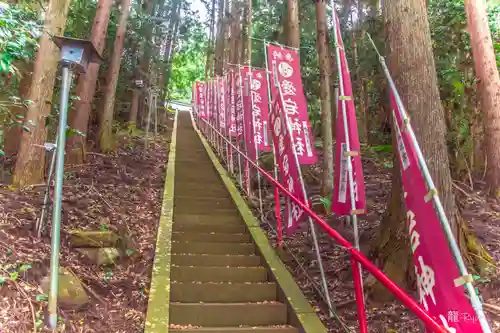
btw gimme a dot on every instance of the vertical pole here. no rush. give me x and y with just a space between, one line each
311 224
156 114
443 219
148 119
254 142
354 218
275 168
57 207
358 290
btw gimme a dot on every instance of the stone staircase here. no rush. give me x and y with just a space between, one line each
218 281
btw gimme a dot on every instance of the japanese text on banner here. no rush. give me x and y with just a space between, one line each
260 110
247 114
287 164
341 203
239 104
435 268
200 99
222 104
285 75
231 121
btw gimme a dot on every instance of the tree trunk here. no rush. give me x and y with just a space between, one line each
106 119
235 31
293 28
392 247
489 86
219 52
85 89
407 25
31 158
326 109
246 46
134 109
209 67
13 133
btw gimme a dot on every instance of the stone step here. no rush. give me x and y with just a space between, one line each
228 314
205 210
218 274
215 260
250 329
232 228
211 237
202 193
213 219
222 292
212 247
196 202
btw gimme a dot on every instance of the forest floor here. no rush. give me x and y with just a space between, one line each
120 192
481 213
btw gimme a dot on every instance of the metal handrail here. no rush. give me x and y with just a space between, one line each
356 255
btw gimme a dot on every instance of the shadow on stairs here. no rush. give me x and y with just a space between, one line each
224 276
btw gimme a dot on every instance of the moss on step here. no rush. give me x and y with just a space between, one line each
157 317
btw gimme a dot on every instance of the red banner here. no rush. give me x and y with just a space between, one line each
342 204
200 99
260 110
239 104
435 267
231 121
287 164
284 64
247 114
222 104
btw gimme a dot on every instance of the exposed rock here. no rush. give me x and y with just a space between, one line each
84 238
71 293
101 256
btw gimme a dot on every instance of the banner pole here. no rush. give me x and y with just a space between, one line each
354 218
276 192
306 202
445 224
255 142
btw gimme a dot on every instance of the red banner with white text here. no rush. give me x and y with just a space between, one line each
346 118
200 99
260 110
287 164
222 104
284 64
435 267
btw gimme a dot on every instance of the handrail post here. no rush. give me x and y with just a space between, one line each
360 299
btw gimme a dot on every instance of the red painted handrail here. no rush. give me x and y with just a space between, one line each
356 255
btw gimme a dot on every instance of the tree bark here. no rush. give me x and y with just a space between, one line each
134 109
326 101
293 28
246 46
489 86
235 31
31 158
106 119
85 89
13 133
209 67
219 52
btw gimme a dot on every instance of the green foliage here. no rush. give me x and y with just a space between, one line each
188 64
19 31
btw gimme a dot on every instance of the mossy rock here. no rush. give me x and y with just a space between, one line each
71 293
105 256
84 238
